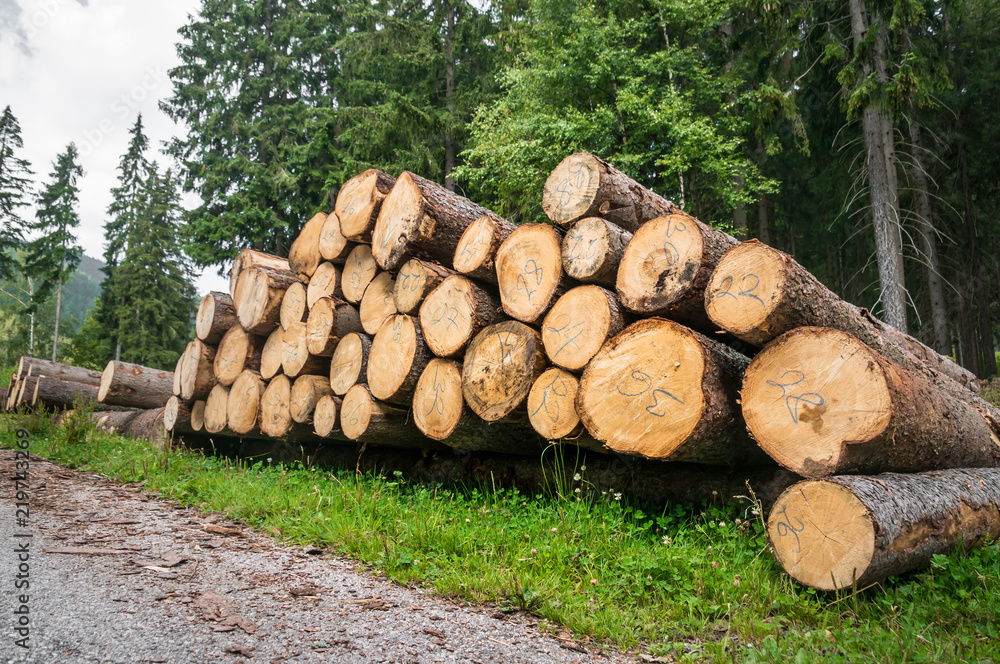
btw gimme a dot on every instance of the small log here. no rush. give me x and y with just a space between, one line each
295 357
272 355
349 364
454 312
552 405
198 371
663 391
198 415
135 386
216 315
177 416
326 420
140 424
326 282
397 357
377 304
530 273
367 420
112 421
420 214
329 321
593 249
178 372
583 185
477 248
259 293
822 403
359 270
579 323
415 281
303 255
359 202
306 392
501 364
275 413
843 532
667 265
252 258
216 415
333 246
758 293
294 308
32 366
243 404
237 351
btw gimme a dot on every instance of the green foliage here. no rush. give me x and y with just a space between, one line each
15 191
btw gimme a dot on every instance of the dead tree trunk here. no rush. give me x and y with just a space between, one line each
259 293
397 357
31 366
415 281
237 351
359 270
366 420
177 417
217 409
294 308
349 364
295 356
272 355
378 304
252 258
243 404
329 321
306 392
333 246
552 405
325 282
326 420
303 255
198 371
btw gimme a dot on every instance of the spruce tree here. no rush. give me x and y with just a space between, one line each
15 191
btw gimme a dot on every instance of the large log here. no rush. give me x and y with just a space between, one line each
295 356
23 393
592 250
333 246
822 403
32 366
349 364
377 304
237 351
252 258
758 293
397 357
578 325
420 214
663 391
55 394
454 312
141 424
111 421
294 307
217 409
326 282
216 314
306 392
416 279
477 248
198 371
259 293
275 411
325 418
583 185
243 404
359 202
135 386
367 420
272 355
844 532
530 273
330 320
667 265
501 364
359 270
303 255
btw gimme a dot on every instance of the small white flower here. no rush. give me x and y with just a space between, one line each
618 496
555 530
666 539
576 478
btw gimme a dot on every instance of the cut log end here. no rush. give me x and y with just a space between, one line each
744 289
416 279
333 246
325 416
232 356
552 404
306 392
592 250
356 411
437 401
501 364
294 305
271 356
452 314
398 222
578 325
378 303
275 413
529 271
243 404
349 363
259 294
303 255
660 264
358 202
107 376
359 270
216 410
396 353
326 282
571 188
477 247
198 415
216 314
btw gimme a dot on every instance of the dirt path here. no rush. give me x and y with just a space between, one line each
119 576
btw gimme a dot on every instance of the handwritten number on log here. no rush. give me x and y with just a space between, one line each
472 247
439 388
545 397
646 381
506 351
785 527
353 414
568 186
397 330
656 405
564 331
640 377
792 401
349 205
578 251
727 285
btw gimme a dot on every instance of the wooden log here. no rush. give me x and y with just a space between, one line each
396 359
415 281
303 255
663 391
198 371
112 421
275 412
583 185
198 415
243 404
216 314
367 420
477 248
592 250
349 364
326 282
32 366
178 372
421 215
217 409
252 258
330 320
529 272
135 386
333 246
177 416
579 323
359 270
359 202
326 419
138 424
667 265
844 532
294 308
758 293
237 351
55 394
378 304
306 392
272 355
258 298
501 364
822 403
295 356
552 405
24 393
454 312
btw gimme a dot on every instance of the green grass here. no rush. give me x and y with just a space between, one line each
692 583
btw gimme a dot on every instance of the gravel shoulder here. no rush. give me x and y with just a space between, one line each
119 576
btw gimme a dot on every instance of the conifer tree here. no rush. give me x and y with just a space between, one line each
15 191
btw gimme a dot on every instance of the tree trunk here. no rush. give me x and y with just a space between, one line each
366 420
55 394
578 325
140 425
821 403
325 282
259 293
237 351
454 312
593 249
500 366
216 315
397 357
359 270
349 364
530 272
134 386
333 246
295 356
359 202
329 321
272 355
306 392
252 258
477 248
55 333
378 303
303 255
449 97
31 366
326 419
416 279
583 185
198 371
243 403
294 308
844 532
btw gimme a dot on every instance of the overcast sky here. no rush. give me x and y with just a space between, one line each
80 71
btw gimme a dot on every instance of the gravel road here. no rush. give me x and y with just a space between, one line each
119 576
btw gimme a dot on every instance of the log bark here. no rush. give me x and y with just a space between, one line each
397 357
822 403
216 416
139 424
454 312
216 315
477 248
583 185
303 255
56 394
237 351
415 281
666 268
843 532
333 246
295 356
758 293
592 250
330 320
529 272
259 293
326 282
359 202
135 386
366 420
579 324
177 417
24 393
378 304
31 366
420 215
294 308
500 366
349 364
112 421
252 258
272 355
306 392
326 416
663 391
243 404
198 371
198 415
359 270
